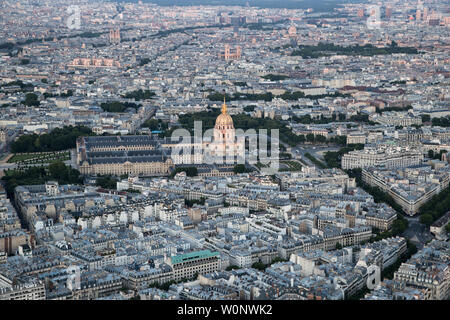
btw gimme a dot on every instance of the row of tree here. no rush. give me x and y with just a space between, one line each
436 207
155 124
268 96
57 171
117 106
441 122
190 171
106 181
436 155
58 139
139 94
327 49
307 119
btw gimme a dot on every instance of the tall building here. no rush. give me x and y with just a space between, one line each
114 35
388 13
292 31
230 54
425 14
224 143
360 13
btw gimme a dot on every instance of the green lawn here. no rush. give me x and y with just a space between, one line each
292 166
39 157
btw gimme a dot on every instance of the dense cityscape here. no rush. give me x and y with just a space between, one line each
224 150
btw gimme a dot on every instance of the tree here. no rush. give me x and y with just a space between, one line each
139 94
441 122
231 267
117 106
31 99
426 219
301 138
190 203
320 138
106 182
338 246
275 77
426 118
190 171
249 108
58 169
240 168
259 266
39 175
438 205
152 124
66 94
399 225
57 140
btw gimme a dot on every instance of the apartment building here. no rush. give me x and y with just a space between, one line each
29 291
96 286
394 118
198 262
410 187
138 280
428 268
356 138
386 157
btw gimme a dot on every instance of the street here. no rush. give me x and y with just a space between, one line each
417 233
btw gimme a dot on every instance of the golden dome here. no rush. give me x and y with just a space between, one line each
224 119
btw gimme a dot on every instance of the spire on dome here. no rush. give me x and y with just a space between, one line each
224 106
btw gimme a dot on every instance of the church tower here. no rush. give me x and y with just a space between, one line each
224 146
224 129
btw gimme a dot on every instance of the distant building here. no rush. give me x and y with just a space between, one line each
388 13
356 138
230 54
114 35
360 13
94 63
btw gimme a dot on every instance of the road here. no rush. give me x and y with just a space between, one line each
299 152
417 232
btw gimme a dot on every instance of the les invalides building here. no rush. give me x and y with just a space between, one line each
225 148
